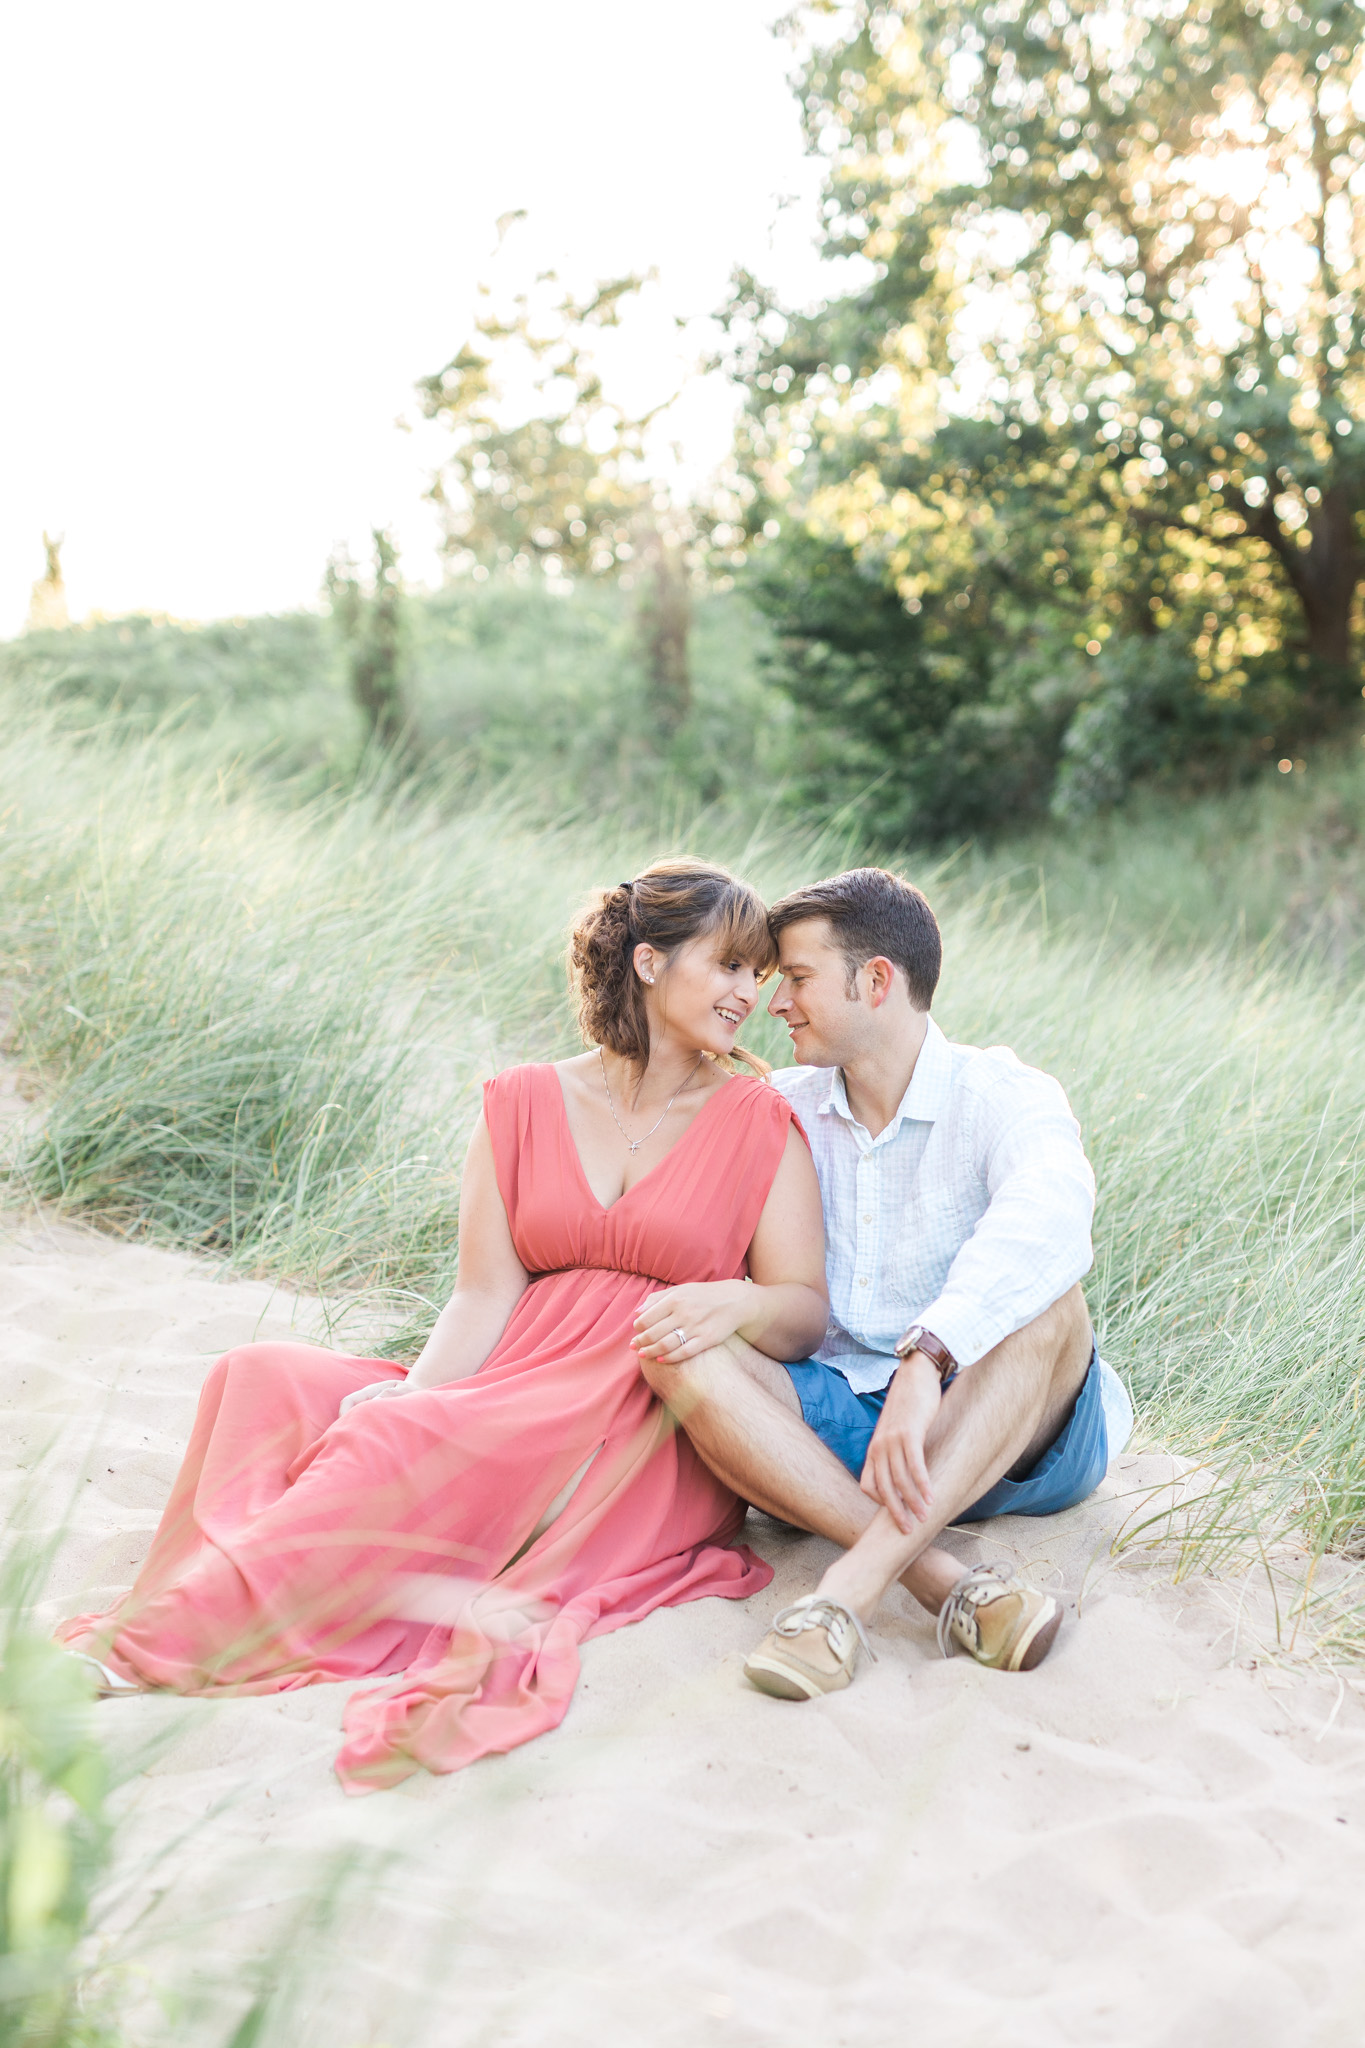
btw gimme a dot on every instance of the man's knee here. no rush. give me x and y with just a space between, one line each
1062 1332
1054 1346
1074 1337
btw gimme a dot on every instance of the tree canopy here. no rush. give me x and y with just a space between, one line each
1104 380
542 467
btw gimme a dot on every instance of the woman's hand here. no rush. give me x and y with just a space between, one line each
706 1312
382 1390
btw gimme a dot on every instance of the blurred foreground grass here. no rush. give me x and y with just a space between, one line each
109 1939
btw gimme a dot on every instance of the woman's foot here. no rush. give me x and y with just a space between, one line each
108 1684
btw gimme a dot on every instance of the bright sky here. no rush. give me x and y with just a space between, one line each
234 237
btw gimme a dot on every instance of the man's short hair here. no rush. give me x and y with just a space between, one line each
872 913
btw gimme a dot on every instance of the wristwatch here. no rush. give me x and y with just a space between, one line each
917 1338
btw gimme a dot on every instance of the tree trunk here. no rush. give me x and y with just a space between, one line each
1325 574
372 633
663 622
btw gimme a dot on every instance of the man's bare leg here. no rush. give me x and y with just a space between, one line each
741 1412
997 1418
743 1416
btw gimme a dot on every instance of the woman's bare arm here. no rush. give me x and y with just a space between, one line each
490 1280
782 1308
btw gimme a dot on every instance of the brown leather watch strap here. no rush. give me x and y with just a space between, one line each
918 1338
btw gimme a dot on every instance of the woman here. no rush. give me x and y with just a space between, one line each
469 1522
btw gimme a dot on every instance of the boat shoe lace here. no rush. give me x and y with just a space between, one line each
958 1622
816 1610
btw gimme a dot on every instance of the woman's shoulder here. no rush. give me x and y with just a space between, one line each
517 1084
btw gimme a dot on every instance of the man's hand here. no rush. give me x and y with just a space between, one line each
706 1311
894 1471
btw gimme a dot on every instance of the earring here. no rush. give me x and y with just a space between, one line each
650 979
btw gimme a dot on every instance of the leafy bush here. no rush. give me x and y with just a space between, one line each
1145 718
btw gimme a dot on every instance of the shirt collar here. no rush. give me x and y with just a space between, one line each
923 1101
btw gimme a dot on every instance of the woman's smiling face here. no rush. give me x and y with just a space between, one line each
698 999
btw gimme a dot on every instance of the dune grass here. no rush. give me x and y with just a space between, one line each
501 680
259 1030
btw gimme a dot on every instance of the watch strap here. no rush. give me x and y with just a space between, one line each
917 1338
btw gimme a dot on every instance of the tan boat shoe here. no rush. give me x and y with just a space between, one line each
996 1618
811 1648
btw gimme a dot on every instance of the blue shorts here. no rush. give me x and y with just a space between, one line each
1069 1470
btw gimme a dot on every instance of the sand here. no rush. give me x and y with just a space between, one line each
1158 1838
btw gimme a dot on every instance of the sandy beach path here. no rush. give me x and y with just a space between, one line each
1158 1838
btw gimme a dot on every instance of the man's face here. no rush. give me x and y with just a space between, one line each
827 1022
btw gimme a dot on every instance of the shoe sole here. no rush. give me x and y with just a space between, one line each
1034 1644
788 1682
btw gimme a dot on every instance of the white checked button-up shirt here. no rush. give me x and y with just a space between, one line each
969 1213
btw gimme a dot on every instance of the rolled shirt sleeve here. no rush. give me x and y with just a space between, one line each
1032 1242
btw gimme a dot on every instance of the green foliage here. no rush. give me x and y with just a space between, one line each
1105 378
1146 717
550 688
270 688
54 1831
947 716
500 677
1275 867
545 469
564 484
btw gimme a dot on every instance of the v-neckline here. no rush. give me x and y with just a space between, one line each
608 1208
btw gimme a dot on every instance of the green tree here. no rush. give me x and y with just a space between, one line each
1105 376
545 470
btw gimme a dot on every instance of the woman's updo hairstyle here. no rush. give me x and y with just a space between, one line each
669 903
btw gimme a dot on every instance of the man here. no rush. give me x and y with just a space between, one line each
958 1378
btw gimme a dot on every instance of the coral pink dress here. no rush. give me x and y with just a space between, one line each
299 1547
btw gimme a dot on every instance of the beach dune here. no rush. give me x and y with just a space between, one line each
1157 1838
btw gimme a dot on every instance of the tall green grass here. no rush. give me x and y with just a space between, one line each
260 1029
1275 867
511 687
503 680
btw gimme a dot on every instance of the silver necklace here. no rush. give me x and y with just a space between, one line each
636 1143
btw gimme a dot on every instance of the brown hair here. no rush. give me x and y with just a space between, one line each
872 912
669 903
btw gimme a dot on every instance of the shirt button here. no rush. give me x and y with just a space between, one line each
867 1219
862 1283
